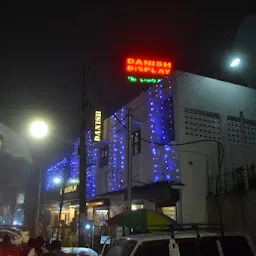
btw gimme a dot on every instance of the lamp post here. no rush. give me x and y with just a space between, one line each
235 62
39 130
242 68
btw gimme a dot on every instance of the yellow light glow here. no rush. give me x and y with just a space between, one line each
136 207
39 129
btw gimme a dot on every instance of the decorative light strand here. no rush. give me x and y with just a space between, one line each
91 166
110 156
122 152
74 162
153 112
57 170
54 173
164 159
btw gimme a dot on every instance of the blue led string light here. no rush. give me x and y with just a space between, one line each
74 161
55 172
110 156
116 153
153 114
161 115
122 152
114 157
91 166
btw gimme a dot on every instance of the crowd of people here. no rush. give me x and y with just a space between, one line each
35 247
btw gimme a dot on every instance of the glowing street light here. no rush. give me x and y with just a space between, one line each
235 62
39 129
57 180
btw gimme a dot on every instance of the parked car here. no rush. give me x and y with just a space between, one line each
182 243
15 237
20 231
79 251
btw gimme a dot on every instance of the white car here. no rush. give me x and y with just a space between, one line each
20 231
182 243
79 251
15 237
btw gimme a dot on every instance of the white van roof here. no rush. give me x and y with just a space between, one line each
177 235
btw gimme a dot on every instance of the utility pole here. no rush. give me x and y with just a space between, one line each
39 192
65 178
129 159
82 169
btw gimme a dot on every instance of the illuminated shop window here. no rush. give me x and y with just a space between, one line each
137 207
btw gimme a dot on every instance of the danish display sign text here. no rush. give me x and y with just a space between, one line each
148 71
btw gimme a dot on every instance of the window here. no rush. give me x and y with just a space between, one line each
121 247
136 143
236 245
103 157
153 248
208 246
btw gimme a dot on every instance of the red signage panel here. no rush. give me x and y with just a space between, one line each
148 67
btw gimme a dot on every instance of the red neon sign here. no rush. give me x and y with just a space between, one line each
152 67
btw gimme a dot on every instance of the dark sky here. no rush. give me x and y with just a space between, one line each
43 47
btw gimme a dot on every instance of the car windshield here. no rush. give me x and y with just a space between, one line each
122 247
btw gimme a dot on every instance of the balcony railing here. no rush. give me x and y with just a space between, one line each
238 180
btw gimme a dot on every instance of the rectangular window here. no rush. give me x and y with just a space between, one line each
136 143
152 248
103 157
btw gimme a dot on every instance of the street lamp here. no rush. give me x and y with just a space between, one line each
39 130
234 63
57 180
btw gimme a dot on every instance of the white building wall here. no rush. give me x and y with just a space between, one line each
196 94
223 98
142 171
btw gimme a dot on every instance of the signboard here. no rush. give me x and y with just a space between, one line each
69 189
146 71
152 67
97 126
105 239
133 79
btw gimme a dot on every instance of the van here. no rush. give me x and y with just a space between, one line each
182 243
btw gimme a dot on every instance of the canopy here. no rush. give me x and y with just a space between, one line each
143 220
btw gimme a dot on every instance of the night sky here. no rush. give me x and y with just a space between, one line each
43 48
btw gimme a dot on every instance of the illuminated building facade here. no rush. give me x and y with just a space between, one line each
181 108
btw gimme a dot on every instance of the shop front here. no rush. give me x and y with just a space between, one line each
160 196
64 207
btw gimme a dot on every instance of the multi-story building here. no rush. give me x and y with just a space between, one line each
16 166
177 128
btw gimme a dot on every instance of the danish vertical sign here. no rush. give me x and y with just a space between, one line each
97 126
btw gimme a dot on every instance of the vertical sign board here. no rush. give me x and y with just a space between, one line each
97 126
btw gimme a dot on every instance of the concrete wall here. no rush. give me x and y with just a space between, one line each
238 212
197 161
